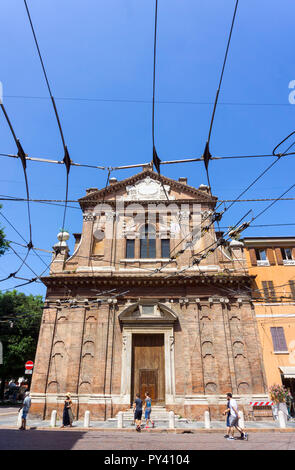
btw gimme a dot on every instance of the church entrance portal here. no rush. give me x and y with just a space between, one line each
148 367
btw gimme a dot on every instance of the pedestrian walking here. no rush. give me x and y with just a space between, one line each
227 413
137 407
67 417
148 410
25 409
234 419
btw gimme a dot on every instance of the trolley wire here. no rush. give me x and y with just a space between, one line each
207 155
66 159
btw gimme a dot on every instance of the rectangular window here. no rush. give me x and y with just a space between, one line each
286 254
165 248
129 248
278 339
261 255
269 291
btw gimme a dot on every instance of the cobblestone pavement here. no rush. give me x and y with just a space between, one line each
71 439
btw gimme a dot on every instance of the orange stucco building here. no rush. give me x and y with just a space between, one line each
272 261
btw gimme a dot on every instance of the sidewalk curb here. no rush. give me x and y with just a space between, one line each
159 430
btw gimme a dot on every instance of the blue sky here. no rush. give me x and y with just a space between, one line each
99 60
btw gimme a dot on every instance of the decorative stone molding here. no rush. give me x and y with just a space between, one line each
147 189
206 215
110 216
184 215
172 341
88 217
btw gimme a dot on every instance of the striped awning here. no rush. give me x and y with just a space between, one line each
288 372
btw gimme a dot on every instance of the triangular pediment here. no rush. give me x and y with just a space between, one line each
147 186
147 312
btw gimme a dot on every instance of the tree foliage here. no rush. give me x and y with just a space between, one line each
20 318
4 244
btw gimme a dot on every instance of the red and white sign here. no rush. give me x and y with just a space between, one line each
261 403
29 365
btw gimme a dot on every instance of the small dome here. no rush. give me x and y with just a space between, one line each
63 236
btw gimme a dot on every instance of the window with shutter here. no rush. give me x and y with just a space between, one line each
261 256
278 339
286 253
270 256
279 256
292 288
269 291
288 257
253 258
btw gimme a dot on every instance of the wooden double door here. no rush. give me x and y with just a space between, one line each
148 367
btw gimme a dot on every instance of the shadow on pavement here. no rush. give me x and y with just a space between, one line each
31 439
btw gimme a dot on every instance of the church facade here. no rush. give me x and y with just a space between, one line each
151 299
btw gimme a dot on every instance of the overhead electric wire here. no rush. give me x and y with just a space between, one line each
66 159
138 165
249 223
29 247
284 140
274 202
53 201
207 155
142 101
20 154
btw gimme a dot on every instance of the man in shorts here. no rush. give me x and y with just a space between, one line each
25 409
137 408
234 419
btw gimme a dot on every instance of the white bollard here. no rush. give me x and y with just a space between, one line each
207 419
282 419
241 420
19 418
171 420
53 419
87 419
120 419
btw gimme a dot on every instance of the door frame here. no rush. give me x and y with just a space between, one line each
136 373
126 375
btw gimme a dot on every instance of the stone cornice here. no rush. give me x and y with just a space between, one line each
96 196
141 280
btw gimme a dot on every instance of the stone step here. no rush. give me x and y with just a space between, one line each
159 413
